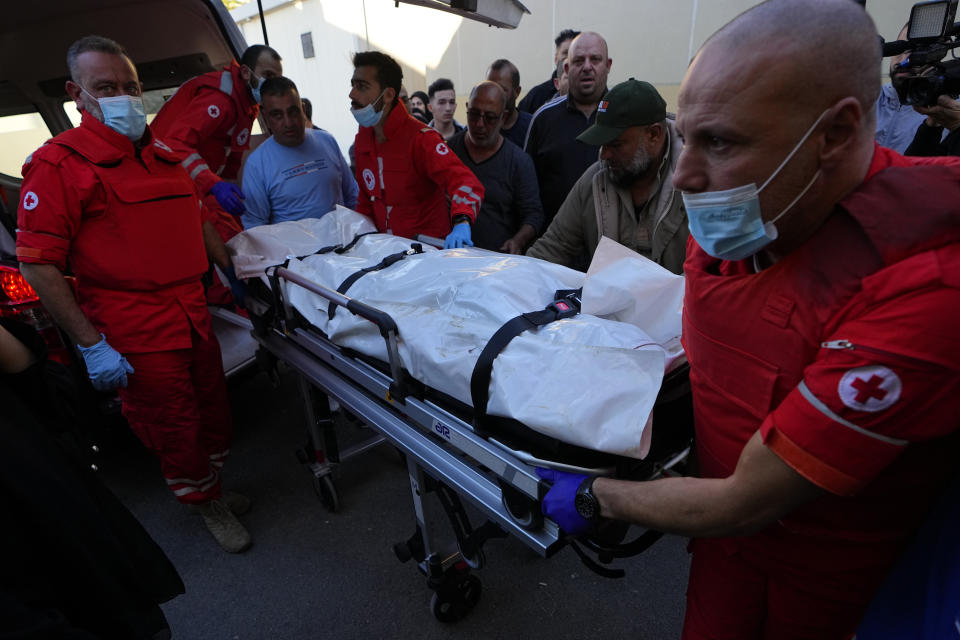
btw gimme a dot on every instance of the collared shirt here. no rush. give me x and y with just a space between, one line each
291 183
896 123
559 158
511 198
517 134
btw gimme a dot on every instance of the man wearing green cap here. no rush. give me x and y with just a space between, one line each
628 194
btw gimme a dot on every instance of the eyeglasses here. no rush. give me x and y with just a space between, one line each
488 118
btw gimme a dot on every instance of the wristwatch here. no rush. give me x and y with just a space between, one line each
457 219
586 503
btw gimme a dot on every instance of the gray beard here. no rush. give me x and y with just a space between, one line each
637 168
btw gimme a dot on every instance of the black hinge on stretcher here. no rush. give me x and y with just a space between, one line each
566 304
415 248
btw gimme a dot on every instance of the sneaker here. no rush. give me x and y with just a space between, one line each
238 503
224 526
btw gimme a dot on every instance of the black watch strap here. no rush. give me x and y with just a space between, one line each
586 503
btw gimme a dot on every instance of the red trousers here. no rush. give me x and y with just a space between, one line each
176 402
744 591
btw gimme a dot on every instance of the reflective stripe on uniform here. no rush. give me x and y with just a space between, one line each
469 198
190 159
212 476
197 169
825 410
226 83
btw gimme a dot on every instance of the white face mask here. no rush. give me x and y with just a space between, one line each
124 114
368 116
728 224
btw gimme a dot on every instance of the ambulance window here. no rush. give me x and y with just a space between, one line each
20 135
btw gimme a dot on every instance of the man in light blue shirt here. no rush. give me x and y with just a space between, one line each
897 123
298 172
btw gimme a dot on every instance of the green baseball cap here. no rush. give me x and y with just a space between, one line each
632 103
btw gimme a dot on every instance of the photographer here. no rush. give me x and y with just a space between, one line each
945 115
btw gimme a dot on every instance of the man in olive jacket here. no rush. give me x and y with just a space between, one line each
628 194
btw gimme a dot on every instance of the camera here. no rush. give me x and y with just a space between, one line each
923 75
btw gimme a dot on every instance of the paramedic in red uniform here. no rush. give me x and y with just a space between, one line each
405 170
207 122
111 202
820 322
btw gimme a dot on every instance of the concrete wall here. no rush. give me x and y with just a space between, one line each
648 39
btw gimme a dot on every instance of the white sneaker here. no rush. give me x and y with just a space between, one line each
224 526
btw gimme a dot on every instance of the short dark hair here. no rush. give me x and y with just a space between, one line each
514 72
253 53
563 36
307 107
440 84
389 73
278 86
92 43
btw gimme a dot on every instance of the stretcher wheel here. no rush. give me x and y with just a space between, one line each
454 604
327 492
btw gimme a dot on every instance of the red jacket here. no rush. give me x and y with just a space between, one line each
128 226
207 123
875 424
406 181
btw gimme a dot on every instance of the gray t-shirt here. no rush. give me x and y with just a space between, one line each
511 195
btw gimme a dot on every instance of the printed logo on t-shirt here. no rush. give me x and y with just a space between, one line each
243 136
304 168
213 111
872 388
443 149
369 180
30 201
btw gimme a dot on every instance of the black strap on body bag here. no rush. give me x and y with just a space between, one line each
566 304
392 259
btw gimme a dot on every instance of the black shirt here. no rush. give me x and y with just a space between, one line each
927 142
510 199
559 158
517 134
538 96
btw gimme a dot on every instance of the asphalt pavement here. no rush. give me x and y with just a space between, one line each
313 574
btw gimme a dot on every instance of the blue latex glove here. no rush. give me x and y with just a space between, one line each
237 286
107 368
230 197
459 237
558 504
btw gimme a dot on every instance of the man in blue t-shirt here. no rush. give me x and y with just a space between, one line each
298 173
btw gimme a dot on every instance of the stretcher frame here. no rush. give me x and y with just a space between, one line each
443 452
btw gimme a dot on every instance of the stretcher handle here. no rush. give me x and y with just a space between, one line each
383 320
430 240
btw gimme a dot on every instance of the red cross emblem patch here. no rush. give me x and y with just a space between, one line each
871 388
213 111
30 201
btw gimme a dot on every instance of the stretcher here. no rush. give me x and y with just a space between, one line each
456 452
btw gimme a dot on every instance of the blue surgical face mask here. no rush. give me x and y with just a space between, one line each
256 91
728 224
124 114
368 115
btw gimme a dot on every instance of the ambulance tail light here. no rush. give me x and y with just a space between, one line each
15 288
19 301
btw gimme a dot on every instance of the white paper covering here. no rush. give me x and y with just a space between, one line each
586 380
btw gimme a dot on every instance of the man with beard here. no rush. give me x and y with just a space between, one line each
511 215
627 195
558 155
515 122
896 123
